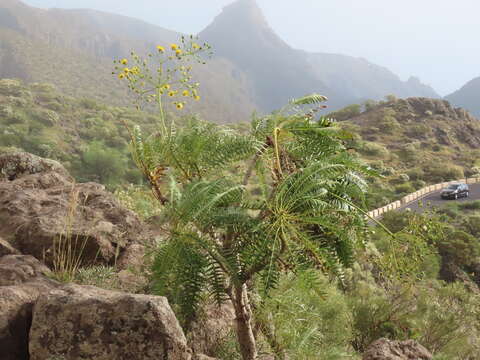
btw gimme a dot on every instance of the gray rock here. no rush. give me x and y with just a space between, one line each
84 322
211 328
22 281
385 349
19 269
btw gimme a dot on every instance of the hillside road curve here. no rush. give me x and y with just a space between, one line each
433 200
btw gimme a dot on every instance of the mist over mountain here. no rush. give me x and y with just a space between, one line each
467 97
252 68
279 72
74 50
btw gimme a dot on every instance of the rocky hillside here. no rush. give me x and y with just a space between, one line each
468 97
252 67
88 137
415 141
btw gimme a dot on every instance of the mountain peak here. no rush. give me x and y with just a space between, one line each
241 15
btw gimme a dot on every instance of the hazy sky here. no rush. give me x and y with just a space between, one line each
436 40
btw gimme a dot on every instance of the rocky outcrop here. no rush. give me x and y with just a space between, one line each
423 106
22 280
84 322
42 207
385 349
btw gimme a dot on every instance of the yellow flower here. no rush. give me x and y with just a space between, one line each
166 86
197 98
195 46
174 47
160 48
135 70
178 52
171 93
124 61
179 106
126 70
186 93
121 76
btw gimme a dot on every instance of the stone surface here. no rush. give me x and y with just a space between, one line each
385 349
211 328
7 249
18 269
203 357
84 322
22 281
40 205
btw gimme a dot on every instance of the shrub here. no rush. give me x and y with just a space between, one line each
10 87
102 164
373 149
370 104
346 113
404 189
470 205
460 248
310 316
439 172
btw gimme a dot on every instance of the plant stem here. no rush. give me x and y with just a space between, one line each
243 313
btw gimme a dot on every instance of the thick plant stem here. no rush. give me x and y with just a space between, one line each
243 313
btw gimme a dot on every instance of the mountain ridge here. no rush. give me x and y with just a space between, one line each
468 96
253 68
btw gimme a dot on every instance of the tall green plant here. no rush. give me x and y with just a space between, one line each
222 240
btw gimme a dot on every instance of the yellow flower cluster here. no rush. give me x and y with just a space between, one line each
172 77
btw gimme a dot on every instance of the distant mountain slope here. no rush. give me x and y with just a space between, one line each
357 78
252 68
468 97
277 72
74 49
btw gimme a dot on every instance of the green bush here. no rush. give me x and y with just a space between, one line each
470 205
310 316
460 248
373 149
440 172
102 164
404 189
346 113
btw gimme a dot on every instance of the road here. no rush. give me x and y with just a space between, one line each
434 200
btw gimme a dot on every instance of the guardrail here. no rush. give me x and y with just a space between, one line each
417 195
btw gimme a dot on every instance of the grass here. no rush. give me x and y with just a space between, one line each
68 249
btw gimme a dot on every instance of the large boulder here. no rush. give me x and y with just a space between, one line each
385 349
22 280
43 211
84 322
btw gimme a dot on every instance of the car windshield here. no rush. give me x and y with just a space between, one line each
453 187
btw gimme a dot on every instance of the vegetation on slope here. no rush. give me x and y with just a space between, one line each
90 139
412 142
